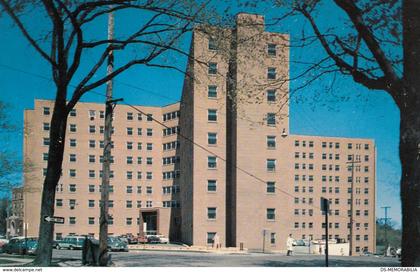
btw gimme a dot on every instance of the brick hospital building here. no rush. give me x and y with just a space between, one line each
237 172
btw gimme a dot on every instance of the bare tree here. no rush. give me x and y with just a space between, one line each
64 45
377 44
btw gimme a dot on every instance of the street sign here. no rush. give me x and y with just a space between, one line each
325 204
54 219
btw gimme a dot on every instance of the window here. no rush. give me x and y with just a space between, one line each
149 175
91 173
91 203
129 145
271 96
45 156
73 142
46 126
72 157
139 160
149 132
271 73
92 143
211 213
46 141
129 175
129 221
149 160
91 188
211 185
72 220
212 68
271 187
92 158
366 146
212 138
349 146
271 214
91 220
271 49
211 162
273 238
271 165
72 173
73 128
149 204
129 204
129 160
92 129
129 116
212 115
271 141
212 91
129 131
46 110
271 119
212 44
149 146
210 237
149 190
129 189
59 202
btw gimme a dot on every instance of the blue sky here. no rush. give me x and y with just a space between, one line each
313 111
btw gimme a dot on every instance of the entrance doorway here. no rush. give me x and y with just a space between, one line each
149 222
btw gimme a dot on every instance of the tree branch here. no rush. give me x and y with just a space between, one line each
358 76
25 32
355 15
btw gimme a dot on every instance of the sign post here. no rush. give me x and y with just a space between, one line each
325 208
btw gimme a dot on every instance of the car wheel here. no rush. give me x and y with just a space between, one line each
71 247
57 247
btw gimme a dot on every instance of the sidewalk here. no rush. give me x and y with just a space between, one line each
10 260
185 248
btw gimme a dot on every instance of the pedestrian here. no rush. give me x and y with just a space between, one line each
216 240
289 245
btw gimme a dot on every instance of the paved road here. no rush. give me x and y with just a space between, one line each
157 258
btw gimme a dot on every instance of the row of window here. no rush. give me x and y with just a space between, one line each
92 174
302 143
330 189
171 115
214 46
330 178
129 188
92 114
170 160
171 131
91 220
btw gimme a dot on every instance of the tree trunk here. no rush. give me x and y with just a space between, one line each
54 170
410 186
409 105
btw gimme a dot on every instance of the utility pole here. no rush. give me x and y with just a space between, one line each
352 162
325 208
103 220
386 227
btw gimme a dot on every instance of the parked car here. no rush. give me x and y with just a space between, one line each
71 242
3 242
153 239
32 246
299 242
129 238
142 239
116 244
163 239
55 244
21 245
